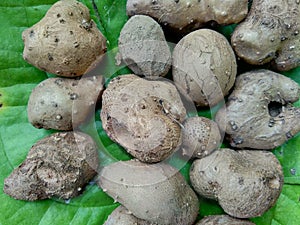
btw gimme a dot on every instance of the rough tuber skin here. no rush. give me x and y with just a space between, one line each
186 15
59 165
223 220
157 193
122 216
66 42
270 33
204 65
143 116
62 103
245 183
201 136
143 47
259 113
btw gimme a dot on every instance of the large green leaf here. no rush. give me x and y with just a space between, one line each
17 79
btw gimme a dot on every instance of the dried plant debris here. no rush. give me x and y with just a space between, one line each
59 165
183 16
143 47
259 113
157 193
245 183
144 116
204 65
270 33
62 103
201 136
65 42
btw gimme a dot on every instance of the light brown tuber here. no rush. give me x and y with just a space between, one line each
245 183
66 42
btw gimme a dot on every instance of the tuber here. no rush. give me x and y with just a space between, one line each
143 116
122 216
223 220
66 42
59 165
270 33
143 47
204 65
62 103
186 15
157 193
259 113
201 136
245 183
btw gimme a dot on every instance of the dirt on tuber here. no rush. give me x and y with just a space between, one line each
59 165
143 47
143 116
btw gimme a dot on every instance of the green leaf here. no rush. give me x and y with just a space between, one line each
17 135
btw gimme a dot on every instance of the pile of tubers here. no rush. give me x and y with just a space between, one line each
148 116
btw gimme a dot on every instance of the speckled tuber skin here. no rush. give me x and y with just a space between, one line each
188 15
157 193
259 113
122 216
245 183
204 65
59 165
270 33
143 47
223 220
201 136
66 42
62 103
143 116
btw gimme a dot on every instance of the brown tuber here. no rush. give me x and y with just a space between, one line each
59 165
186 15
223 220
270 33
65 42
157 193
62 103
245 183
143 116
122 216
201 136
143 47
204 65
259 113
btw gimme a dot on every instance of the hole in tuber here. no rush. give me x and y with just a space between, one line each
275 108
